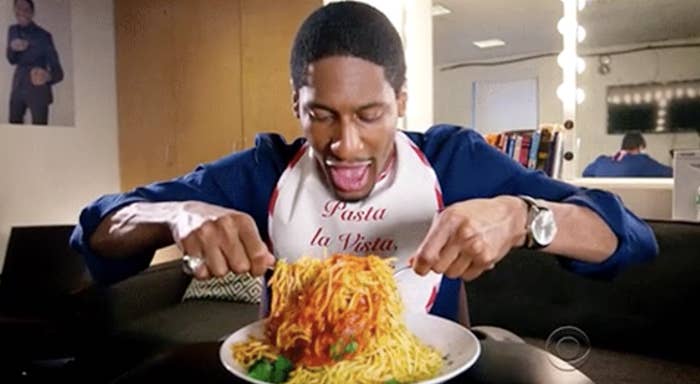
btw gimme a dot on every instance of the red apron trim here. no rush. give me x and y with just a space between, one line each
297 156
431 301
438 197
273 200
388 168
420 153
290 165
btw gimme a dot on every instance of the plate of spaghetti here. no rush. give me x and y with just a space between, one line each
341 320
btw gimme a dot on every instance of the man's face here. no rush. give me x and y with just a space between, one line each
348 112
23 12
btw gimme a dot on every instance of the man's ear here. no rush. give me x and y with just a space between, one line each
295 100
401 100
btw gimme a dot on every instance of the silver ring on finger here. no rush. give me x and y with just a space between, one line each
190 264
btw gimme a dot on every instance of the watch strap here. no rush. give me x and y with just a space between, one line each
533 208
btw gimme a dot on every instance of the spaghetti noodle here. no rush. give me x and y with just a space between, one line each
340 320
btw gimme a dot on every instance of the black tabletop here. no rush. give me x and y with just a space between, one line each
499 362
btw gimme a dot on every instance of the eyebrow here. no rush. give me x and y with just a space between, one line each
316 105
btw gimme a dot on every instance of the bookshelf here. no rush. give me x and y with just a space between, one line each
539 149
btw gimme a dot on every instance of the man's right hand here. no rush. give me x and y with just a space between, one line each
19 45
227 240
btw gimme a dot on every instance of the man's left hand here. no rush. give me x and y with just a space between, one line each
39 76
470 237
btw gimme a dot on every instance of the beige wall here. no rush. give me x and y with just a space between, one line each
453 88
453 95
49 173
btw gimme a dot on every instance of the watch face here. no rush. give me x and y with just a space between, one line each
543 227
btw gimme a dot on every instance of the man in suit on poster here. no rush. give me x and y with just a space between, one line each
31 50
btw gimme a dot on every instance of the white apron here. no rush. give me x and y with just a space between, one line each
305 218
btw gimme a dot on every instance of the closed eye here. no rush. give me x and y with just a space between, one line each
320 115
369 115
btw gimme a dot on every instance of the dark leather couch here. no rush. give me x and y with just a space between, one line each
641 327
43 323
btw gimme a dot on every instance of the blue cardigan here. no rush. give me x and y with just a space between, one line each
631 165
466 166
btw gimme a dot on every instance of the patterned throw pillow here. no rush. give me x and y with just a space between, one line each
231 287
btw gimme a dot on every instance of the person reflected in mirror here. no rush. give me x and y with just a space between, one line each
629 161
31 50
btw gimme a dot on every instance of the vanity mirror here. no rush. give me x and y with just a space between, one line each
511 83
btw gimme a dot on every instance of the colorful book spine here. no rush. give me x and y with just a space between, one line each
525 149
511 146
534 148
517 147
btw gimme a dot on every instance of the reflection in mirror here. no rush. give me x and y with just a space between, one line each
486 55
629 43
496 71
498 47
641 78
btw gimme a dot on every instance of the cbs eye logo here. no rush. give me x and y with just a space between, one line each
568 347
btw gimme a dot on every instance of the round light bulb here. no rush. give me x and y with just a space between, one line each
566 59
580 65
580 34
565 92
581 4
580 96
564 25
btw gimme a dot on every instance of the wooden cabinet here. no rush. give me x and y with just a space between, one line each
198 79
267 33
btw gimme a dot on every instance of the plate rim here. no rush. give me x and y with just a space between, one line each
224 350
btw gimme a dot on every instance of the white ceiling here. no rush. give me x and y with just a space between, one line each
529 26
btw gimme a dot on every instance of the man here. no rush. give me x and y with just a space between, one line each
629 161
444 202
31 49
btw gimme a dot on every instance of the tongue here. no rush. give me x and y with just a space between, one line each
349 179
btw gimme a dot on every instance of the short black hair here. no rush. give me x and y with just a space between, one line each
348 28
633 140
30 2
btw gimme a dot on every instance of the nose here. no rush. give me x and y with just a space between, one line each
347 144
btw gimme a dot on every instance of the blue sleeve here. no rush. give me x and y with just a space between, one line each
243 181
657 169
53 63
468 167
590 170
12 55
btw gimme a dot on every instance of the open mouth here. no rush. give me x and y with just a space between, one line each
349 177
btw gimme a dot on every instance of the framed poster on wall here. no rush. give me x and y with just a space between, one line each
36 74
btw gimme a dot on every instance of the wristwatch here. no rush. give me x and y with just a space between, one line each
540 226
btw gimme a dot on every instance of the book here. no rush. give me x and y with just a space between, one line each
538 149
534 147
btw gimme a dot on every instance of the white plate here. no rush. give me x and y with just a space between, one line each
457 344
